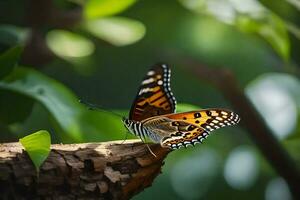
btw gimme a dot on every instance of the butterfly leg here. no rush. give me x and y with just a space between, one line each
125 137
151 151
142 137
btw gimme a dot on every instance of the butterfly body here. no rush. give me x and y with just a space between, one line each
142 130
153 114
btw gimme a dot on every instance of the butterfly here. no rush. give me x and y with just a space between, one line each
153 114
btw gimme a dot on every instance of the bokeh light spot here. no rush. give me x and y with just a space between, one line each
277 189
67 44
270 95
241 168
100 8
192 176
118 31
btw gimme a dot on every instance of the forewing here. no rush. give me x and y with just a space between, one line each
154 96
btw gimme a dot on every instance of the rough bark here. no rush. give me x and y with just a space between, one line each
110 170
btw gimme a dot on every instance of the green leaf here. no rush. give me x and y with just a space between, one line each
295 30
118 31
73 121
100 8
60 102
250 17
271 28
9 59
66 44
37 146
288 10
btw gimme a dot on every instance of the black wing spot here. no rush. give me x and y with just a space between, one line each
209 121
208 113
197 115
176 134
191 127
197 121
175 124
184 118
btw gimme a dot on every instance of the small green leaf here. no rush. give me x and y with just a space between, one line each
37 146
100 8
118 31
9 59
66 44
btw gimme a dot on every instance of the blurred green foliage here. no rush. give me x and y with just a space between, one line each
110 28
8 60
68 45
249 17
48 64
94 8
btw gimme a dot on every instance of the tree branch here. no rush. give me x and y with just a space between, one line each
109 170
252 121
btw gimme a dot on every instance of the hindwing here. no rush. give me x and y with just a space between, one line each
208 119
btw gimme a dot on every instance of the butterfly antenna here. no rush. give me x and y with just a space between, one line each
92 106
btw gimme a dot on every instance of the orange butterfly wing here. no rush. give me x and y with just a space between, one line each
155 102
154 96
200 124
208 119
